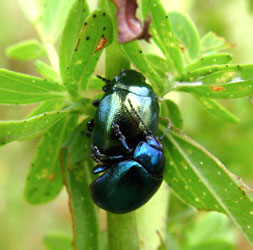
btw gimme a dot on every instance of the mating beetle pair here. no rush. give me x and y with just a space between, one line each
129 156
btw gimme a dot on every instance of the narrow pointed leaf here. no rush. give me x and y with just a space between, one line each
53 17
76 18
216 109
139 60
162 32
26 50
186 32
76 176
46 71
219 91
16 88
202 181
28 128
218 73
219 58
44 181
94 36
48 16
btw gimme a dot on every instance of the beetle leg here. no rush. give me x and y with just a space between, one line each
95 158
121 136
96 154
108 83
95 103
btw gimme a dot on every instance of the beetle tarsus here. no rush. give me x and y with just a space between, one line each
121 137
102 157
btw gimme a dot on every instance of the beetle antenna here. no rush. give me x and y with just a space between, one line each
107 81
168 128
138 116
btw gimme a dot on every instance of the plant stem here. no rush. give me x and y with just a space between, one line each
122 229
122 232
52 56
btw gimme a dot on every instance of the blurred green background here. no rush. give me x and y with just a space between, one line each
22 226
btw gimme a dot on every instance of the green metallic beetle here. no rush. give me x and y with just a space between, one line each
128 154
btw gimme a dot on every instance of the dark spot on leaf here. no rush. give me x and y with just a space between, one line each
45 114
87 38
167 16
140 51
47 193
85 24
83 10
104 28
226 66
94 15
103 13
75 49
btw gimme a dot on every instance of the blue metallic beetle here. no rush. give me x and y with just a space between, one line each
131 165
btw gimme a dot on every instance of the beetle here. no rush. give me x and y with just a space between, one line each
114 108
129 156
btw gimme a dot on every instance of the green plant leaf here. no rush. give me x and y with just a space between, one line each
46 71
16 88
57 241
219 58
95 35
219 91
76 176
216 109
48 16
218 74
139 60
186 32
44 180
31 127
26 50
169 109
162 32
53 18
211 43
202 181
45 107
160 65
78 13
